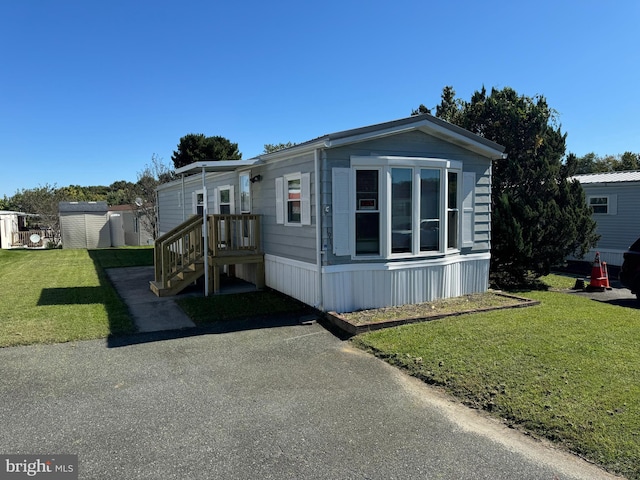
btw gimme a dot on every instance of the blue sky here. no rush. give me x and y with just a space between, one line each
90 90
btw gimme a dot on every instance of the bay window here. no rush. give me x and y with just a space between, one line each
397 207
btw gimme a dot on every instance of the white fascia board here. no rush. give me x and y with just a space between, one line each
216 166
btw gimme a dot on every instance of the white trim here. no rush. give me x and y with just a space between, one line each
421 263
216 166
291 262
396 161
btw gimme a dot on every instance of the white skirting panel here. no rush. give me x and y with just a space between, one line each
294 278
360 286
612 257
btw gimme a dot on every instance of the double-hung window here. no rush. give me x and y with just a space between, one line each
224 200
293 199
292 190
599 204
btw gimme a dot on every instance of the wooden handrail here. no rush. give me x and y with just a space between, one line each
178 249
183 246
233 234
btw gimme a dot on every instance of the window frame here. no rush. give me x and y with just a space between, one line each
219 202
384 165
286 200
196 203
605 205
355 210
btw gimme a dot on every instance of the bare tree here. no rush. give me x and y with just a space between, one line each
144 195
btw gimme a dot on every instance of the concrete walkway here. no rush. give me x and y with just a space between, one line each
149 312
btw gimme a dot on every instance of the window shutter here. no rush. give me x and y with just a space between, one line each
280 200
305 199
194 203
613 205
468 208
340 198
216 204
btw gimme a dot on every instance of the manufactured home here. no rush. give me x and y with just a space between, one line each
614 197
16 233
388 214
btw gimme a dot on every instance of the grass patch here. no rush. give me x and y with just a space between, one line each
122 257
52 296
567 369
207 310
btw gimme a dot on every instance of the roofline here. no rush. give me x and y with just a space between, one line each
216 166
425 122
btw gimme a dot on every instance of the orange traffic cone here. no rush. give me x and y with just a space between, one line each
599 275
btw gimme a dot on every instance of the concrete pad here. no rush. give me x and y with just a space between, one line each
149 312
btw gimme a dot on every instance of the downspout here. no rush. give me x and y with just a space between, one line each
319 222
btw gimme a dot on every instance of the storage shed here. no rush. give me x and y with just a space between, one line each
84 225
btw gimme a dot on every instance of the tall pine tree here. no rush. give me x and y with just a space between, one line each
539 216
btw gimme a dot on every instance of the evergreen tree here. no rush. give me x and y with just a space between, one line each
196 147
539 217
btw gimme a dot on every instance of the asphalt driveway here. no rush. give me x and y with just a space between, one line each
284 401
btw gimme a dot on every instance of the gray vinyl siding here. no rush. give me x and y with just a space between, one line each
170 206
173 209
620 228
292 242
412 144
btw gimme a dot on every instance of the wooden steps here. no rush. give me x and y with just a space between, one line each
182 280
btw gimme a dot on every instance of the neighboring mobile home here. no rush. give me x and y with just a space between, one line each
614 197
14 232
388 214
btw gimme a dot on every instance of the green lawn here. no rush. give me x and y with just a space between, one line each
567 370
51 296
